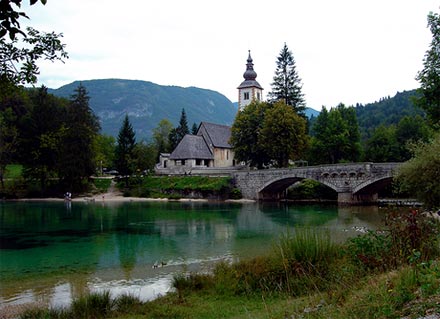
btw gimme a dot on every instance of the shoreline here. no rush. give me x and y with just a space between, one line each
119 198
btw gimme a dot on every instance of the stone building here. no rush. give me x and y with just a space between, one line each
208 148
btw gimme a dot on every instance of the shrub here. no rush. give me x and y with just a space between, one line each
406 234
235 193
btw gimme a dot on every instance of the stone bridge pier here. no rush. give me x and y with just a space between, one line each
355 183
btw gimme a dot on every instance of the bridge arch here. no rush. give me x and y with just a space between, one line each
373 185
276 187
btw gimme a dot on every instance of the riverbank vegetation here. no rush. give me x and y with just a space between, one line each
391 273
175 187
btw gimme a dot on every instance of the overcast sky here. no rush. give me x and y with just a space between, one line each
345 51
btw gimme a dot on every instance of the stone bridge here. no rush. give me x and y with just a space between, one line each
355 183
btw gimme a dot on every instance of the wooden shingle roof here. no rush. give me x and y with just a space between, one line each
192 147
216 135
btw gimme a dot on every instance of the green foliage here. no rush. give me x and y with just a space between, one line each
194 129
124 148
77 152
10 17
336 136
283 134
13 171
160 137
429 77
420 176
387 111
245 134
310 189
405 234
102 184
14 103
382 146
144 157
95 305
42 135
18 57
307 248
301 264
393 143
286 85
178 133
104 146
92 306
263 133
236 193
176 187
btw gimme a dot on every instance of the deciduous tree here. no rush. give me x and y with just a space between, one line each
161 135
283 134
245 134
336 136
421 175
429 77
42 136
18 57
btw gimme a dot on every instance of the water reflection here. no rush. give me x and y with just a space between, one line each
56 252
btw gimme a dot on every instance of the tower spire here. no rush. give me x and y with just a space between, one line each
249 89
250 74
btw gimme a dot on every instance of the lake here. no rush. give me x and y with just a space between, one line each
51 252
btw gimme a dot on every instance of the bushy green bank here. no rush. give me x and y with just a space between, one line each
386 274
179 187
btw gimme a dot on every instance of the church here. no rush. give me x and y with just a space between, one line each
209 147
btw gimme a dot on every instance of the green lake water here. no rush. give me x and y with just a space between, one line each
51 252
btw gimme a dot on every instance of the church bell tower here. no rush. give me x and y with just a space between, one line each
249 90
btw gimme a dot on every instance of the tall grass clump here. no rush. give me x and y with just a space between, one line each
301 263
307 258
94 305
308 247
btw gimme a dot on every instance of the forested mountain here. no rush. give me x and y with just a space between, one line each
386 111
147 103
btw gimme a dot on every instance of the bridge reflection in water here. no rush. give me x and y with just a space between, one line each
355 183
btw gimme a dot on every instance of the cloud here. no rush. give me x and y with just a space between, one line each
345 51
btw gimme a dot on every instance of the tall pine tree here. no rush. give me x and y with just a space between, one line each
125 147
178 133
77 160
286 85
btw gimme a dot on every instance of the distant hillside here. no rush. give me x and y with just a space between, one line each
147 103
386 111
311 112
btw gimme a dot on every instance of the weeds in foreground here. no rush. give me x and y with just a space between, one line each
409 237
94 305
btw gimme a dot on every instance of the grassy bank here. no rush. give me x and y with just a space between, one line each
388 274
175 187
